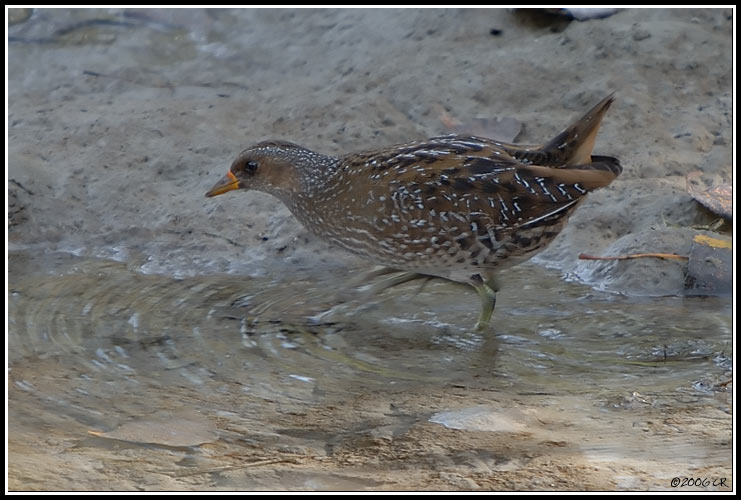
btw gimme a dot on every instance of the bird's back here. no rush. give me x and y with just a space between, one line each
454 205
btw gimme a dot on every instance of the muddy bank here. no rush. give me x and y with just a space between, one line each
112 159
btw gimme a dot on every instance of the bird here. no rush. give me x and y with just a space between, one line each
457 207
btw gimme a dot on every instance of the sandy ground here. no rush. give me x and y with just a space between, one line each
119 122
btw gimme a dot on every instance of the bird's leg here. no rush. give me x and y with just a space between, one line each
371 290
376 272
487 291
362 282
394 281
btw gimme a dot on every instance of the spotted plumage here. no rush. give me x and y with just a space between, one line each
458 207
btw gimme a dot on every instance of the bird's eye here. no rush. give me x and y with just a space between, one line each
251 167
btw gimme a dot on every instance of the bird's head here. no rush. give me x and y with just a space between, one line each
272 166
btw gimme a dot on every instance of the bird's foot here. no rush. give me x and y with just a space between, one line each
487 293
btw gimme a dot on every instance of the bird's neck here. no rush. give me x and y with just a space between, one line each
315 173
314 185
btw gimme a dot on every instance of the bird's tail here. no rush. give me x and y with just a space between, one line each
600 172
574 145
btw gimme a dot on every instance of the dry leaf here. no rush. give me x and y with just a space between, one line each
718 199
713 242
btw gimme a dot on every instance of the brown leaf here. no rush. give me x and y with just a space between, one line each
718 199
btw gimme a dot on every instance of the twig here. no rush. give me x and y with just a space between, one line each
21 186
225 468
584 256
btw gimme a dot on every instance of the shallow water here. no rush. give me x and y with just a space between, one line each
95 345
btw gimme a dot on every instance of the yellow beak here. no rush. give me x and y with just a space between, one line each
227 183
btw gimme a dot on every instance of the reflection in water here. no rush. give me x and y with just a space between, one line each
97 351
